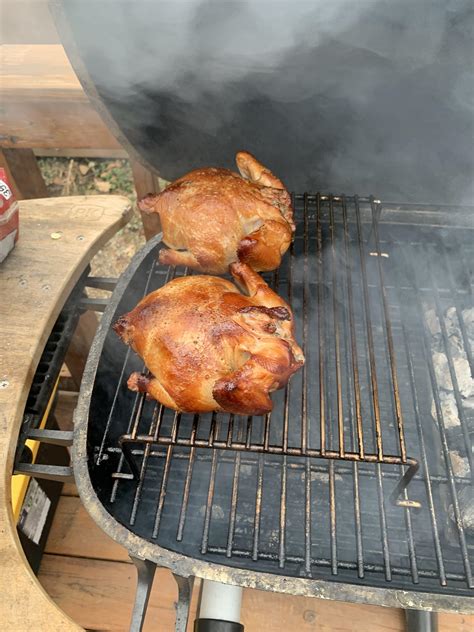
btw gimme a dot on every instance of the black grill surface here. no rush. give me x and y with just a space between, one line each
243 492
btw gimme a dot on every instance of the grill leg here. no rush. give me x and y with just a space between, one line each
185 588
145 574
421 621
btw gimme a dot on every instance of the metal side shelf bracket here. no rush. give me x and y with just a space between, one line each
98 283
61 473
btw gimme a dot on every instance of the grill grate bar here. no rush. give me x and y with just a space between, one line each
444 440
396 406
350 309
332 518
452 373
411 541
328 384
119 475
343 565
233 504
383 523
187 483
376 211
187 488
338 467
258 508
155 424
119 384
353 387
321 332
229 444
161 499
155 421
455 297
282 533
305 430
370 340
210 497
304 389
424 458
281 554
213 431
389 459
336 319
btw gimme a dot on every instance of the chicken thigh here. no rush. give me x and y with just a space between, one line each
208 347
213 217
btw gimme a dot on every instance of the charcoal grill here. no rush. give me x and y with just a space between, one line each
347 489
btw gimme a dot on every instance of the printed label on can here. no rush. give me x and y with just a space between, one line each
34 512
5 190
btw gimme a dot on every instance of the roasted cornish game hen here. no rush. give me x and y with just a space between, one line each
208 347
213 217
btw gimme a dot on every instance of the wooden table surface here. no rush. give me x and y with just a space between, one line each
58 237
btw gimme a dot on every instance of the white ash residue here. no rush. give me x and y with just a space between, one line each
432 322
453 407
449 409
459 464
466 503
323 477
460 363
217 511
468 403
246 470
461 370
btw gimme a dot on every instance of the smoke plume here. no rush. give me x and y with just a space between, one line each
372 96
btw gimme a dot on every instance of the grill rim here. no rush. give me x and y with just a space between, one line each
186 566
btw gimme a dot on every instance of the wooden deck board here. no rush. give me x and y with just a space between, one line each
99 594
91 578
73 533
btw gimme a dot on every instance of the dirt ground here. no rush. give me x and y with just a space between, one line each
80 176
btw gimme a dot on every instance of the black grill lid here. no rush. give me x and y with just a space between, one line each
366 95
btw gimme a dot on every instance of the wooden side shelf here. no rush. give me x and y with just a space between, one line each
58 237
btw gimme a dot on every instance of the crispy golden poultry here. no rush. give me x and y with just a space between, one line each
213 217
208 347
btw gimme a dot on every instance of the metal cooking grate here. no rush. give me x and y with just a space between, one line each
252 492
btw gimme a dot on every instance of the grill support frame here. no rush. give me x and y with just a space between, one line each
127 441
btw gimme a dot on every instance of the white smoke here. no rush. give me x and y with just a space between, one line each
342 95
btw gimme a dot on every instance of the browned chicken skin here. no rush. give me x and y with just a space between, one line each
213 217
210 348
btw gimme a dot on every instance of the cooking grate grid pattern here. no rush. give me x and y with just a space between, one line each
251 492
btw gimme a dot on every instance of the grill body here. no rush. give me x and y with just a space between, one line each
299 501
